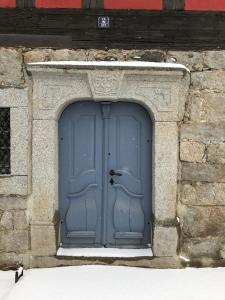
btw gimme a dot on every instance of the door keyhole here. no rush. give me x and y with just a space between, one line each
111 181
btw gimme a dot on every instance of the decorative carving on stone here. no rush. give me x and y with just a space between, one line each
50 94
159 96
105 84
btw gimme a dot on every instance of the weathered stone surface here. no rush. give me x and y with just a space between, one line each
19 118
192 151
209 80
214 106
216 153
14 185
10 67
165 166
202 221
214 59
196 107
14 241
109 55
203 194
165 241
222 251
13 97
8 260
134 55
67 55
146 55
8 203
196 248
43 240
7 220
106 55
206 106
205 262
192 60
204 132
12 260
20 219
37 55
203 172
38 261
156 263
45 191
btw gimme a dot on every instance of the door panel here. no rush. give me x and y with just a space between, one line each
80 152
129 197
128 214
128 137
96 208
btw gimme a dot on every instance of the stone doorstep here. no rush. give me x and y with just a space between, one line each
104 252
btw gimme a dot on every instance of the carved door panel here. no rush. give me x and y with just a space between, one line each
105 175
80 174
129 190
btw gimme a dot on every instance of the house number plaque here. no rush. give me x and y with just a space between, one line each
104 22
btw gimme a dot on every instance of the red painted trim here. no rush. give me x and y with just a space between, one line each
134 4
58 3
7 3
205 5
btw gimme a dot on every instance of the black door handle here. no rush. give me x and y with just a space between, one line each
113 173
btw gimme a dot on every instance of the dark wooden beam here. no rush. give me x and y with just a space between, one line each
174 4
35 40
77 28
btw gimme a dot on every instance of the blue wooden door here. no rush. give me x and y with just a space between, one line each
80 174
105 175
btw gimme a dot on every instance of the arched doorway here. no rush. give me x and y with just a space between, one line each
105 175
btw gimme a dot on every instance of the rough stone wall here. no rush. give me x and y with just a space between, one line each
202 155
201 199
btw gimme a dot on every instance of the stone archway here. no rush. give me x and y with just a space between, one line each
160 88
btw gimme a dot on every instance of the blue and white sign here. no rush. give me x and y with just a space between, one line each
103 22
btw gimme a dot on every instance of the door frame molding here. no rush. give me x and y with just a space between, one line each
160 88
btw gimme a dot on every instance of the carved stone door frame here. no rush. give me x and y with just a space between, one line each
160 88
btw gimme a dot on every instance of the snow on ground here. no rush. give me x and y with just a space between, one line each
6 283
115 283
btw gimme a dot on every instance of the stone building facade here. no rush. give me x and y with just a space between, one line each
189 227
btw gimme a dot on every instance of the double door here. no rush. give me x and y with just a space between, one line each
105 175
